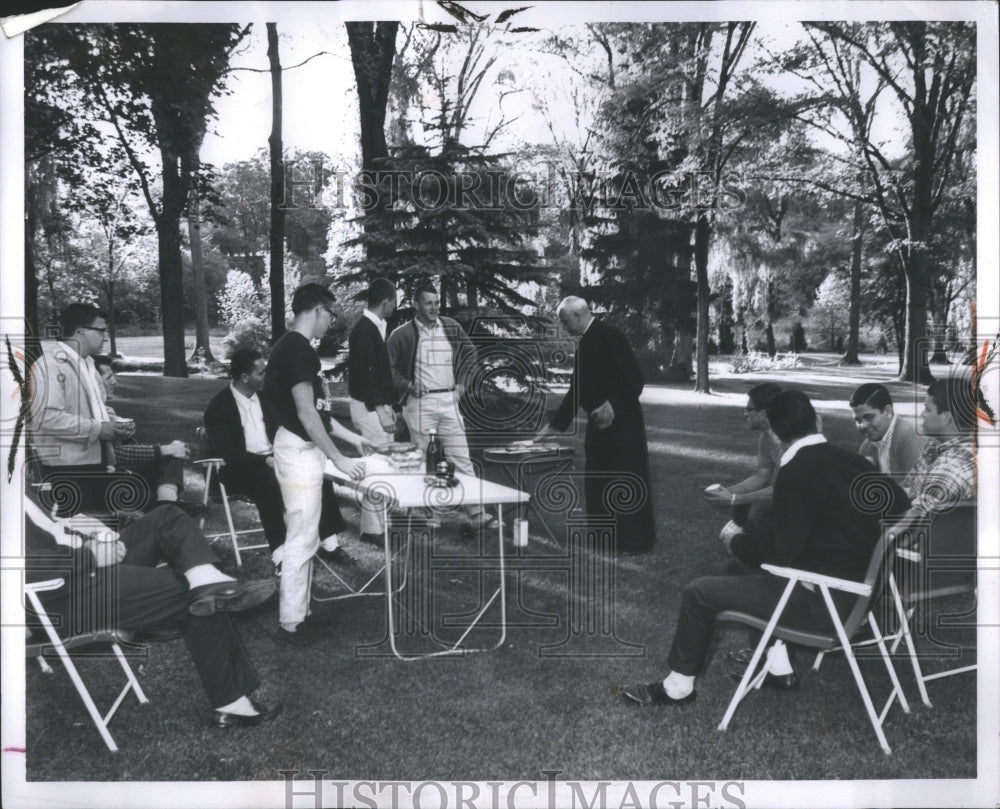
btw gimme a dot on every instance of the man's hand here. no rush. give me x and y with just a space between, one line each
602 417
363 445
106 552
269 460
386 418
459 390
355 470
177 449
417 390
719 497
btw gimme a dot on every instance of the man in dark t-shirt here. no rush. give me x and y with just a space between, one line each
299 427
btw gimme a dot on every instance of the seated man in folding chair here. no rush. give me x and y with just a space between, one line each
815 526
114 579
160 465
945 471
234 425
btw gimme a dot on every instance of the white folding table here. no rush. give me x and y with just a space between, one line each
407 490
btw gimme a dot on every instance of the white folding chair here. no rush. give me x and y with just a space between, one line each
869 594
212 467
62 647
939 562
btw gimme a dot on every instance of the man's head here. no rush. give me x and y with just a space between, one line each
574 314
312 306
85 325
873 412
103 365
246 368
791 416
949 409
382 297
426 304
758 398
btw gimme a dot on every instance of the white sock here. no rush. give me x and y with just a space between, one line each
677 685
777 660
331 543
205 574
242 706
292 627
166 492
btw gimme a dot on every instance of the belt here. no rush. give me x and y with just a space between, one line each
440 390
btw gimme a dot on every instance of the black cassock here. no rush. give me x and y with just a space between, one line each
617 471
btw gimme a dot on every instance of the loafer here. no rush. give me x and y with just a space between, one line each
338 556
161 635
777 682
229 596
301 637
265 713
652 694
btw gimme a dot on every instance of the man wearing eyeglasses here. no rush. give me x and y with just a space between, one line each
71 429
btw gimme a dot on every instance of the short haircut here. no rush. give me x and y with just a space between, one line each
955 395
421 289
381 289
78 315
102 361
760 395
242 362
791 415
871 394
309 296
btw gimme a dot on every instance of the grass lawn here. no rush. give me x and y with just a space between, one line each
544 700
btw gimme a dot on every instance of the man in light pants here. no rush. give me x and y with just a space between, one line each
296 414
432 359
369 385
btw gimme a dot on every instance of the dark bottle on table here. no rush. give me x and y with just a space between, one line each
435 453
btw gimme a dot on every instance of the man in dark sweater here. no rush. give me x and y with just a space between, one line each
369 383
817 526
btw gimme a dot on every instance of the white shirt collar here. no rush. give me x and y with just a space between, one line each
805 441
379 322
886 439
238 394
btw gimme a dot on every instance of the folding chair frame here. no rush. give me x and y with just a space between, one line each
212 468
841 639
61 645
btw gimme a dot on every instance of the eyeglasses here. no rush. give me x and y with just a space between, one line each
94 328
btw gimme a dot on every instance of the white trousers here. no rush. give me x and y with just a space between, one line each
366 422
439 411
298 465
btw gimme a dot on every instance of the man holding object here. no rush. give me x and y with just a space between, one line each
606 383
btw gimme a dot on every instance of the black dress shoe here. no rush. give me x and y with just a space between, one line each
338 556
373 539
301 637
229 596
742 656
265 713
778 682
652 694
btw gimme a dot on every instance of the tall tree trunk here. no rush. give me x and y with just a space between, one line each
109 296
940 303
201 336
854 312
30 281
277 236
702 235
168 231
373 49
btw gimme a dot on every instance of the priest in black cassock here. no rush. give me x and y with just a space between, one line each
606 383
